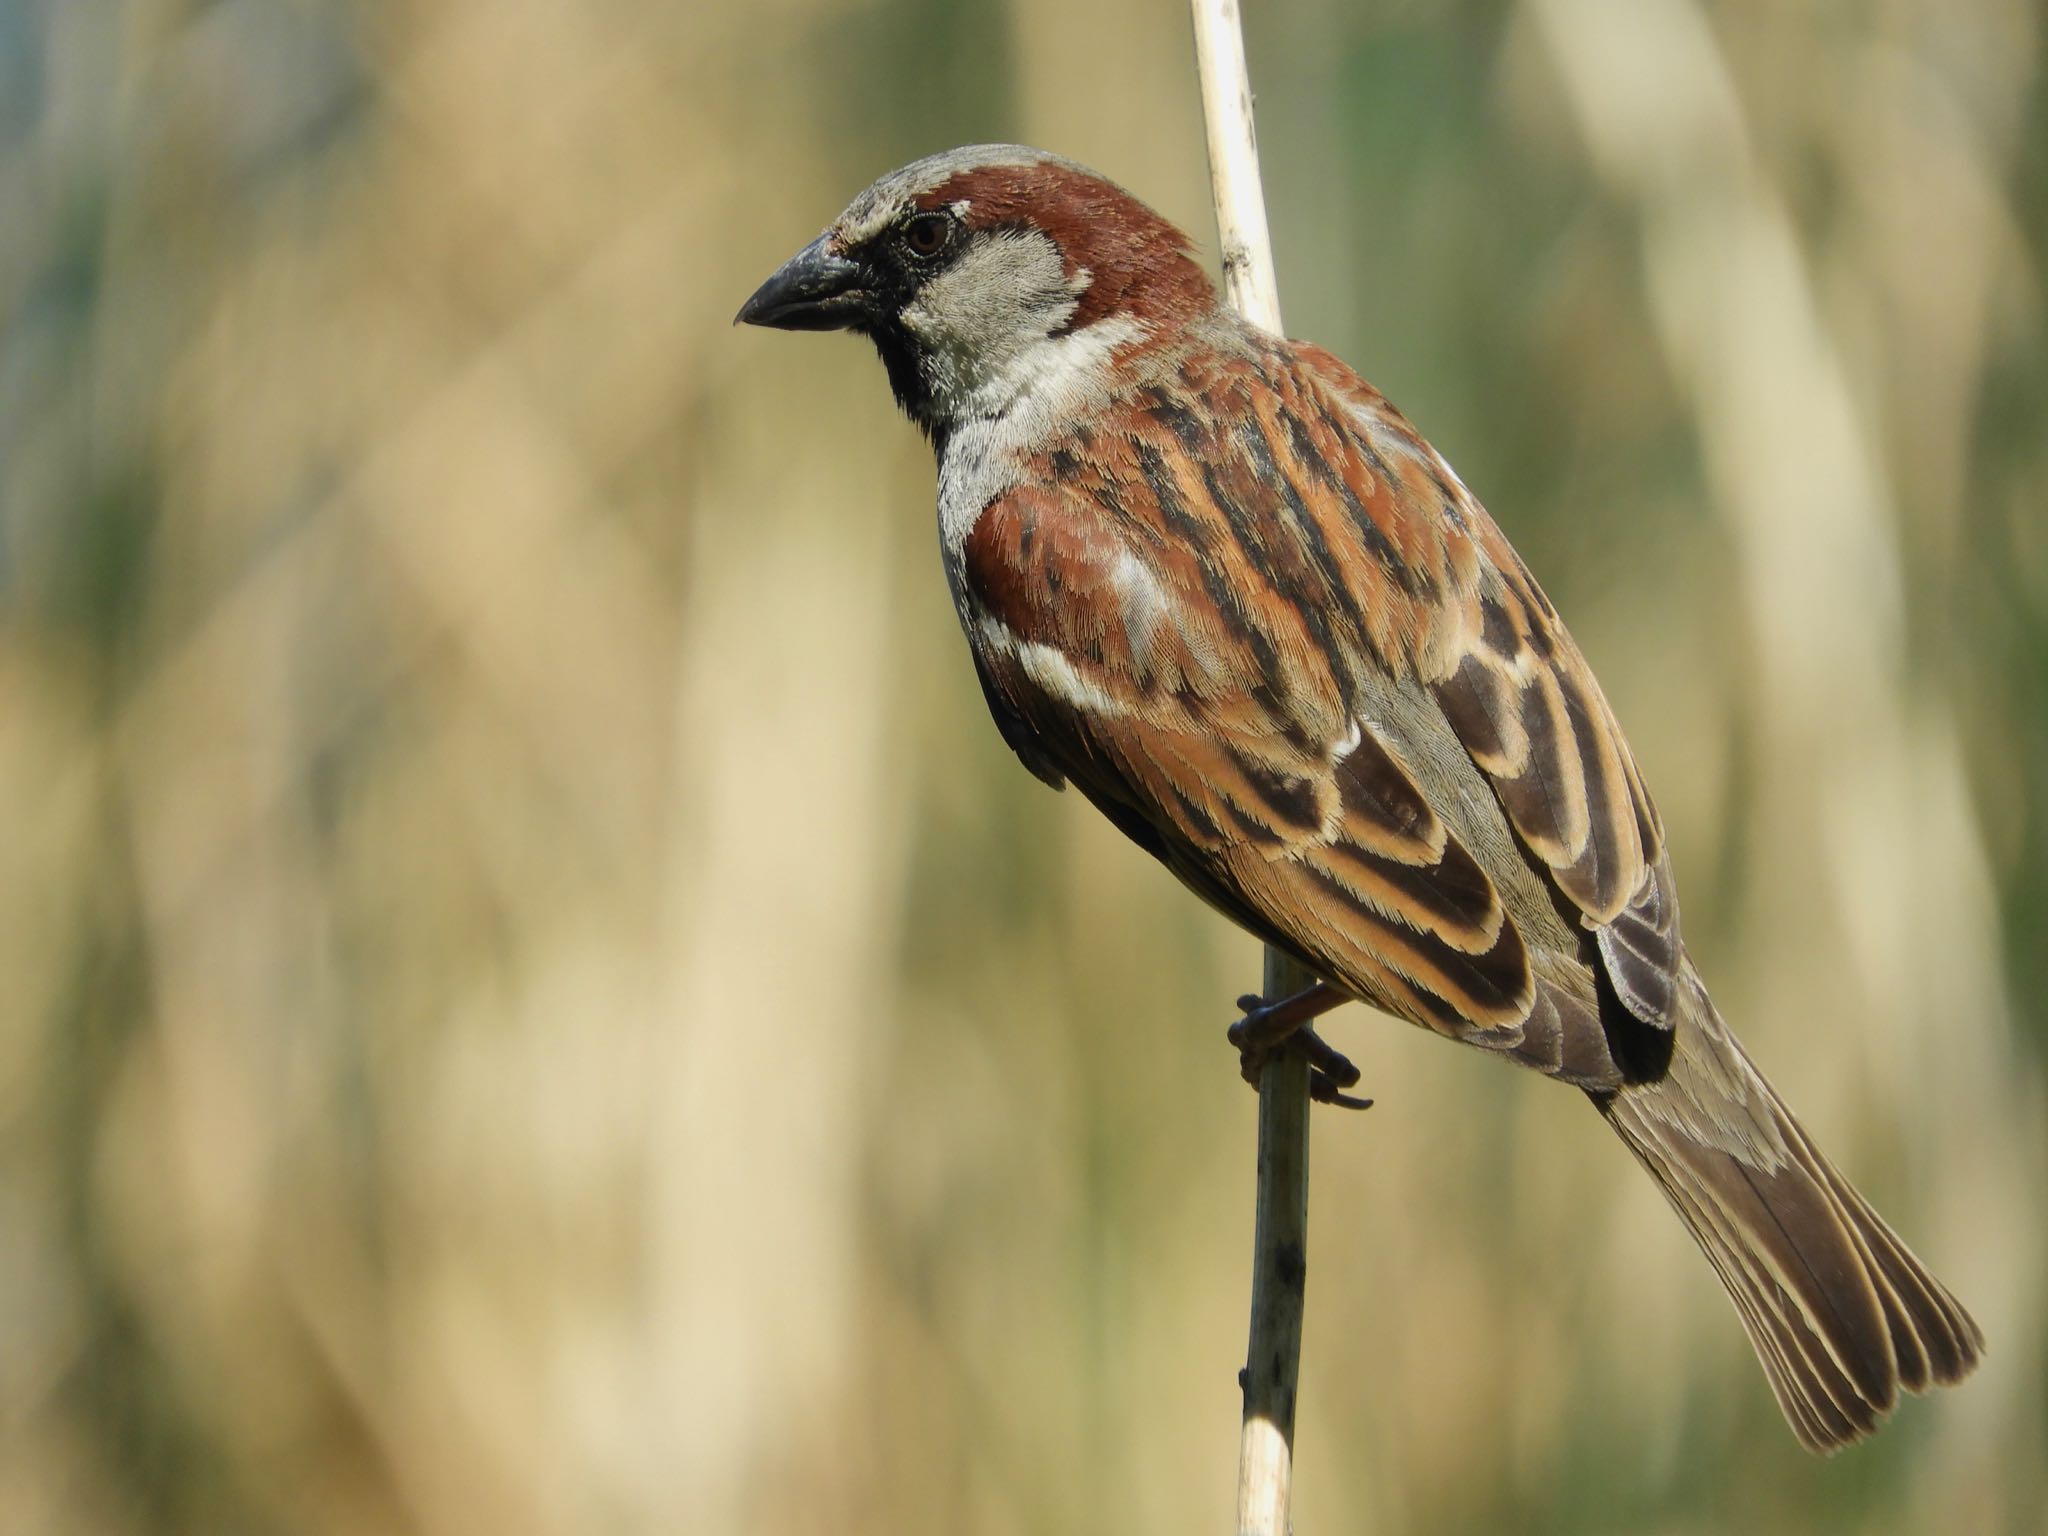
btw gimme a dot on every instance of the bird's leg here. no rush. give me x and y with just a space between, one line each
1266 1026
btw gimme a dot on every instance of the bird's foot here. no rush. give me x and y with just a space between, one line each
1267 1027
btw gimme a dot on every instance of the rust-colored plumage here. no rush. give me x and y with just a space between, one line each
1263 577
1216 582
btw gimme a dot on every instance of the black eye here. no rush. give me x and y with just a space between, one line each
927 234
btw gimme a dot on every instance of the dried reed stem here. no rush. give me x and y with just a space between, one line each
1248 281
1265 1473
1265 1463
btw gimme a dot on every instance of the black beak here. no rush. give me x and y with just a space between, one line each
816 290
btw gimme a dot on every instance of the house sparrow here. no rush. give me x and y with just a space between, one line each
1214 580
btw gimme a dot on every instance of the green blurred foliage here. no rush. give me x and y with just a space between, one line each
536 1001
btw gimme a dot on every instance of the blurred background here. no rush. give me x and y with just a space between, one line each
532 998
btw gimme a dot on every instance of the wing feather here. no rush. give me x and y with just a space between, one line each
1516 690
1199 620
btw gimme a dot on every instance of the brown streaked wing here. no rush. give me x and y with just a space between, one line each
1515 689
1149 685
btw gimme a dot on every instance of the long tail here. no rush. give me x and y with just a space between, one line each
1840 1312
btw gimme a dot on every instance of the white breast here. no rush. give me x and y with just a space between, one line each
1042 387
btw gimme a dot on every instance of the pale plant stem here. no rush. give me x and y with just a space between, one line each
1265 1473
1248 281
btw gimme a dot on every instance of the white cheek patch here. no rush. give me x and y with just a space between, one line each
1006 290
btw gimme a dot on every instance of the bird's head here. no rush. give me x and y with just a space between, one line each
986 273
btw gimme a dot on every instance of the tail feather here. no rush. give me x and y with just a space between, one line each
1934 1341
1840 1312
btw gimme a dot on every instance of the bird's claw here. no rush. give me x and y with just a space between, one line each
1267 1027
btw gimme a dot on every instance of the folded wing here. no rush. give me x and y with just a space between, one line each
1268 632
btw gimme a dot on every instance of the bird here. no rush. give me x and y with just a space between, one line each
1216 582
